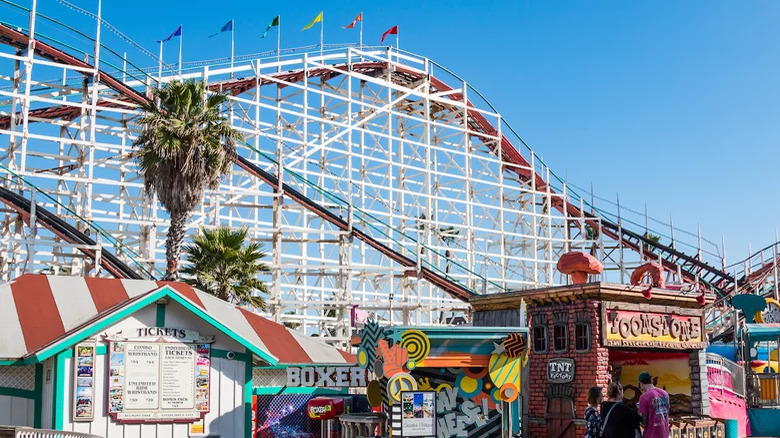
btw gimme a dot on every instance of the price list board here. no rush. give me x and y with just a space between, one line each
158 381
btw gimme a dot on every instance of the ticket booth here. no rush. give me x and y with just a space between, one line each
591 334
118 358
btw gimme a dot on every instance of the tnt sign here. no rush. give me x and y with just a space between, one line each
560 370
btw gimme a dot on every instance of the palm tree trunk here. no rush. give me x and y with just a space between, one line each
176 233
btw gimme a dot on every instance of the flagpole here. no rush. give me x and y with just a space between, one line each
278 38
232 46
159 66
396 40
322 31
181 37
361 30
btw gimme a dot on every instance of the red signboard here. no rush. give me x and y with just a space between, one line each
325 408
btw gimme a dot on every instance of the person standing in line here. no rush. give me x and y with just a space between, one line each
592 417
618 420
654 408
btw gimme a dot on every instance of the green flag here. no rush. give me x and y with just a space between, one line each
275 22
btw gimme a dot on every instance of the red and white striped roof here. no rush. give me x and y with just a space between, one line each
37 310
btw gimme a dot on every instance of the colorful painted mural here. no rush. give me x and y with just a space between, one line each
670 371
471 373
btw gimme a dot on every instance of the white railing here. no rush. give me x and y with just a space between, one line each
28 432
725 376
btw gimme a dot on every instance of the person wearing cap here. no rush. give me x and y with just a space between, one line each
654 408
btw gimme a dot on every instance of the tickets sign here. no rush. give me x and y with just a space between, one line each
636 328
158 381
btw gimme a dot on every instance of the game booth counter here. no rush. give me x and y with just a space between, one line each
137 358
457 381
590 334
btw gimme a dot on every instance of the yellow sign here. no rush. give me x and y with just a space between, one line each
642 329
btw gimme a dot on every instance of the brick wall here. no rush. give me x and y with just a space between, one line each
591 367
700 393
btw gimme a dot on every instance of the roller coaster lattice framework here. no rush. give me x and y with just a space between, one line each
374 177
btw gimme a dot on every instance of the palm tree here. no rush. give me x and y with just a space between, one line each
219 263
186 145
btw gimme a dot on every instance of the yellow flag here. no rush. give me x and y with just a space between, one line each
317 19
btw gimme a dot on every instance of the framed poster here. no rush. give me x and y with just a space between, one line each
83 382
159 380
418 414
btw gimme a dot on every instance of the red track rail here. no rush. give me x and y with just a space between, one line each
442 282
476 121
19 40
66 232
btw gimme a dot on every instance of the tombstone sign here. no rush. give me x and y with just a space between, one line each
560 370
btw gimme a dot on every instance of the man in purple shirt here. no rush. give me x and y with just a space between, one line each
654 408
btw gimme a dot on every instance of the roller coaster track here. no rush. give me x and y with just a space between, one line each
24 207
692 268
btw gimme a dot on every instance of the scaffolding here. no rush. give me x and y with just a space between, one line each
375 178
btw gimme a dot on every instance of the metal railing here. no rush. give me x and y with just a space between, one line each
764 389
725 376
28 432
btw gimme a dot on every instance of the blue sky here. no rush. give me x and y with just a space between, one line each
673 104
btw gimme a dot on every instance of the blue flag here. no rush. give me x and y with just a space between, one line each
227 27
176 33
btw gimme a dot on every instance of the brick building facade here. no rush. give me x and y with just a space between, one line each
566 325
591 363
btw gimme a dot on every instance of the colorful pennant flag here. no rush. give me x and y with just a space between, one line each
392 31
176 33
317 19
274 22
358 18
226 28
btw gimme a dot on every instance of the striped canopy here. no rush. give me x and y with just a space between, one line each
42 312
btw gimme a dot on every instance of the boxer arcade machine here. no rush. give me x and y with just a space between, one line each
327 410
590 334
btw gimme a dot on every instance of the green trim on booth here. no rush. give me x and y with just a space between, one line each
12 363
58 400
222 354
16 392
278 390
97 327
38 415
205 316
160 315
248 398
111 319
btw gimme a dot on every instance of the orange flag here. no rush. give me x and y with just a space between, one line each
358 18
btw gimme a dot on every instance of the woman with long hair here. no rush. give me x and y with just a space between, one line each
618 420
